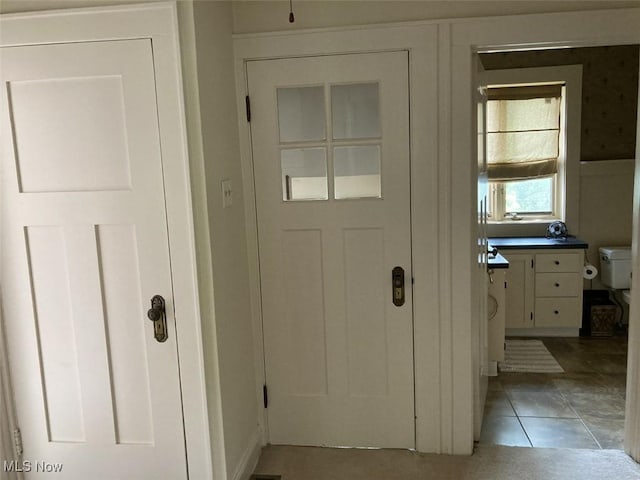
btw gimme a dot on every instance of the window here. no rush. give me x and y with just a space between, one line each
348 157
525 152
541 199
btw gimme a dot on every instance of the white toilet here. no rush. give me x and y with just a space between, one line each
615 267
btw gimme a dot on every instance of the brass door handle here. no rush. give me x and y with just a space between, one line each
158 315
397 282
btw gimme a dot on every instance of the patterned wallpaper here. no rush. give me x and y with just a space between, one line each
609 93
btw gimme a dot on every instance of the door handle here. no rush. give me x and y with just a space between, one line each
397 282
157 314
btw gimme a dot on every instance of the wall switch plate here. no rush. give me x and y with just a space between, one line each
227 193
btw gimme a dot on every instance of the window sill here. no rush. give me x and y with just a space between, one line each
523 220
519 228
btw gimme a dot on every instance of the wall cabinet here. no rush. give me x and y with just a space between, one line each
544 291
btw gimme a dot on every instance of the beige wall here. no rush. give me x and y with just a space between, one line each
606 207
609 93
219 121
15 6
202 235
266 16
7 452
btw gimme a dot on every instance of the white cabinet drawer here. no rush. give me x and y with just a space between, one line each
558 284
559 262
558 312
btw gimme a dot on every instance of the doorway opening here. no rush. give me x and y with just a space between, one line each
584 406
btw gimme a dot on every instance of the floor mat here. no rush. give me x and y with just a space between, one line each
528 356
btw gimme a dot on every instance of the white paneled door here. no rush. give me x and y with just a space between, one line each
85 248
330 139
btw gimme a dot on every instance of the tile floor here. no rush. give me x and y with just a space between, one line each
581 408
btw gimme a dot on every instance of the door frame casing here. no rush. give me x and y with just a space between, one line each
419 40
8 418
159 23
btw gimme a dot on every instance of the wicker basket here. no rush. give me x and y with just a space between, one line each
603 319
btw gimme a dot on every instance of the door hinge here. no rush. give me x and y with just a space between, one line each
248 107
17 441
265 396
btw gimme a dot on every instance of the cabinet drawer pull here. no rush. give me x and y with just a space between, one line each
557 284
557 262
556 312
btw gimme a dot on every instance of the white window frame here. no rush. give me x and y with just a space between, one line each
566 181
497 203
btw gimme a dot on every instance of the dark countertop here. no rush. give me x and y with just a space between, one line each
528 243
497 261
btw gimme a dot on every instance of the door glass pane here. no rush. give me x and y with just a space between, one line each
304 174
301 114
357 171
529 196
355 111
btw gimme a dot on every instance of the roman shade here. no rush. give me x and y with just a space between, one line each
523 131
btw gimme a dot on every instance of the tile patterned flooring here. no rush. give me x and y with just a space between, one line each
581 408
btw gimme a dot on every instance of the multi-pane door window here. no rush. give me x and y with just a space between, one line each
524 152
330 149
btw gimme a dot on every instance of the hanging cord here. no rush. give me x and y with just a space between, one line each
291 16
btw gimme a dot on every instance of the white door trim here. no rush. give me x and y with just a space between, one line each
8 421
157 22
632 414
420 41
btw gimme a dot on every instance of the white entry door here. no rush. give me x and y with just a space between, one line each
84 249
330 139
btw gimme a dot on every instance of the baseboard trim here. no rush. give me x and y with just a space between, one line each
249 460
